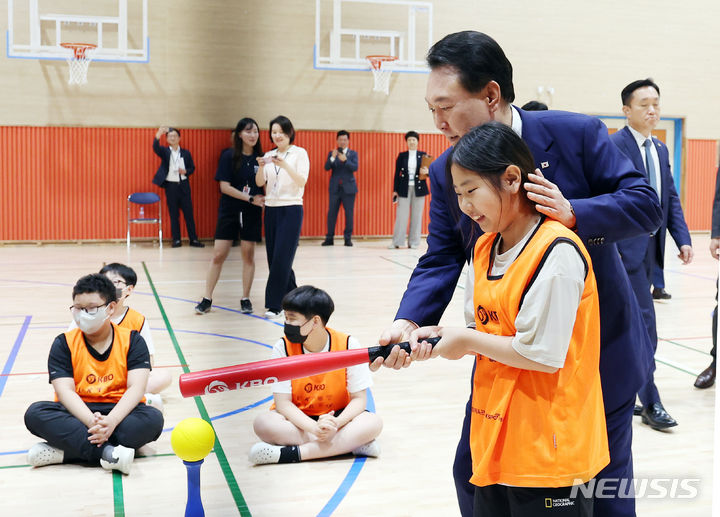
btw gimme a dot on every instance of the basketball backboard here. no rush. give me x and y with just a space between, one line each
346 31
119 28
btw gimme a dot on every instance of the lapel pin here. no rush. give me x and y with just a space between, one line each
544 165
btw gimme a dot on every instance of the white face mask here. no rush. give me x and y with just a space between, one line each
90 323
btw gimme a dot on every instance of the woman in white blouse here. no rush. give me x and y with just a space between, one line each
283 171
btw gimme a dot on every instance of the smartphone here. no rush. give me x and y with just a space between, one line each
267 160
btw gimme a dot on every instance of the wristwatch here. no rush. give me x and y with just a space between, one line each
251 199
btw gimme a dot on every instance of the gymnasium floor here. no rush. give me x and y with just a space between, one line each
422 407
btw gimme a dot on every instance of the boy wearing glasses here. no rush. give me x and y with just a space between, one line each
99 372
124 278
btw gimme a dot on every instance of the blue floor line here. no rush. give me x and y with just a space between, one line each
351 476
13 354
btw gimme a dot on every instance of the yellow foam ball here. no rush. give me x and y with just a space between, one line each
192 439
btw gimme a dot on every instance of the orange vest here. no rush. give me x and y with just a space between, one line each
325 392
529 428
132 320
100 381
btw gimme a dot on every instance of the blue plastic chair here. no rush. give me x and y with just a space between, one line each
143 199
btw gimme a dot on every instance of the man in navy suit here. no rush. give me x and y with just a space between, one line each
707 376
642 254
343 162
584 182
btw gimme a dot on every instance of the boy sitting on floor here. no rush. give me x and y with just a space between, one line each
99 372
321 415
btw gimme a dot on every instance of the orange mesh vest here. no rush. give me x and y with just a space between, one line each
325 392
529 428
99 381
132 320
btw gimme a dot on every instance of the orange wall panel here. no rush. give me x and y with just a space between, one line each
71 183
700 183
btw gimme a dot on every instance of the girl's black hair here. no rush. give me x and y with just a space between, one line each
238 143
488 150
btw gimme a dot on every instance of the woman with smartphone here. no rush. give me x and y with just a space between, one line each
284 172
240 210
409 191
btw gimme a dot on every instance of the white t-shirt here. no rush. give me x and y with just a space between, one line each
412 167
545 322
144 331
281 189
358 376
177 162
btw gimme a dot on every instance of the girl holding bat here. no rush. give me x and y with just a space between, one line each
537 425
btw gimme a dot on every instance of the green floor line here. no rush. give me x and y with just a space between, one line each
219 451
118 494
676 367
685 346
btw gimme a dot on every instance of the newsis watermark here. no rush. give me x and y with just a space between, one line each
639 488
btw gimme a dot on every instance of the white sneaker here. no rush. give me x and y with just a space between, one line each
371 449
155 400
43 453
271 315
262 453
124 457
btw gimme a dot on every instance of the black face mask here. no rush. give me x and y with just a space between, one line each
292 332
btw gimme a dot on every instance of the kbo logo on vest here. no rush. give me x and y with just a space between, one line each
485 315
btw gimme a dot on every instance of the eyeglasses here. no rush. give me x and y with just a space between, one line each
119 281
89 310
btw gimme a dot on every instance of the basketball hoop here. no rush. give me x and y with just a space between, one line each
382 70
79 61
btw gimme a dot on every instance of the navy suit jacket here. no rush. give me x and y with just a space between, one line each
611 200
715 231
634 251
342 177
400 182
164 153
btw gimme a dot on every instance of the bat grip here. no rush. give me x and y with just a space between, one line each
384 351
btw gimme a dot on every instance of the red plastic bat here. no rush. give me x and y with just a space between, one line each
259 373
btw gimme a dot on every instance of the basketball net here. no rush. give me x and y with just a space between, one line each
79 61
381 67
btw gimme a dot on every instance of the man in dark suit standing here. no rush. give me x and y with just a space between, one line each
583 181
707 376
176 166
343 162
642 254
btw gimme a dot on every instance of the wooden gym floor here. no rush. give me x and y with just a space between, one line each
422 407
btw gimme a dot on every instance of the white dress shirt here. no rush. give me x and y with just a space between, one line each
640 140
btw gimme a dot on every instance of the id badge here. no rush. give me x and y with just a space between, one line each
246 190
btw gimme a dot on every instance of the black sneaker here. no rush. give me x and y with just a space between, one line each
197 244
203 306
246 306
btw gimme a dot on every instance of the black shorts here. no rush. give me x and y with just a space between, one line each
495 500
245 225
